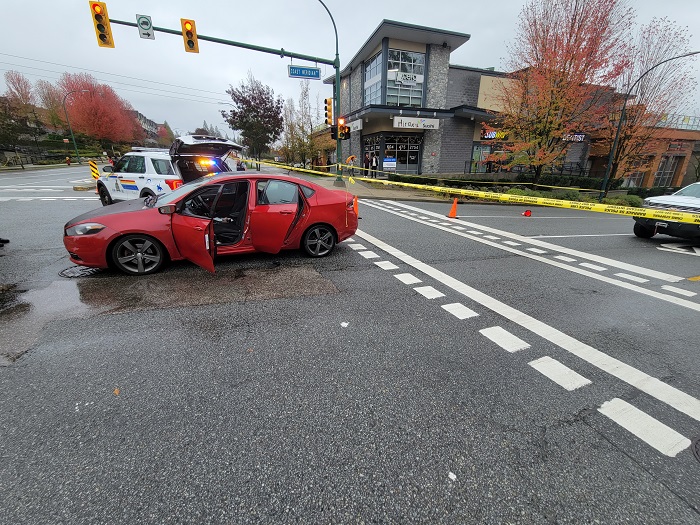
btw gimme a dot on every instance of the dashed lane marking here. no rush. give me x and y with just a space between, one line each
369 255
559 373
648 429
679 291
459 310
632 278
357 247
565 258
386 265
429 292
504 339
536 250
407 278
593 266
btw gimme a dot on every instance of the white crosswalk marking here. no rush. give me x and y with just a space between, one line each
650 430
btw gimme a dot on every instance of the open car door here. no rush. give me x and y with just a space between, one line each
275 211
194 237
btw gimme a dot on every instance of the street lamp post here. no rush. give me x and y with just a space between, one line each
336 65
608 168
68 121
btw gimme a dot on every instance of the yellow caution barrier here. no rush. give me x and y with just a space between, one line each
630 211
93 170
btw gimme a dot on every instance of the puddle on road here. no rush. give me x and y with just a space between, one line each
23 314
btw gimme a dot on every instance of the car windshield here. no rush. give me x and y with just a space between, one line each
183 190
690 191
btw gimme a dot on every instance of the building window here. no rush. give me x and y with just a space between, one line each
373 80
402 153
405 76
635 177
666 171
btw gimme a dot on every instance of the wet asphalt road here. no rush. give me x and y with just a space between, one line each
284 389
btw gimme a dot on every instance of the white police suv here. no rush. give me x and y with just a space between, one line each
146 172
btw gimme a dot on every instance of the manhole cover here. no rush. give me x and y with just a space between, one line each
79 271
695 447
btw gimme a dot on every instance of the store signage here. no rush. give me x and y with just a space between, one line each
416 123
389 164
489 135
406 79
356 125
574 137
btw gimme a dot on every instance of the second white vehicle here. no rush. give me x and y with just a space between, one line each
150 171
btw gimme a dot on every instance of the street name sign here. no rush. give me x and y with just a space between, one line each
313 73
145 27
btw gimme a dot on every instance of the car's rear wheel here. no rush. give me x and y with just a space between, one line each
138 254
642 231
105 199
319 240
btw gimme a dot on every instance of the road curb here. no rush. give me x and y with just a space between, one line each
85 187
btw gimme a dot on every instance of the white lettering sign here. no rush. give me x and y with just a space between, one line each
356 125
416 123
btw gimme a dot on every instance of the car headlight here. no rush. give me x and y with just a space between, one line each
88 228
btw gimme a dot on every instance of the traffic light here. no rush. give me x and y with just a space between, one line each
189 35
329 111
334 132
343 129
100 19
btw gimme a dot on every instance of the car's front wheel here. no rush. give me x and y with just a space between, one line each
105 199
642 231
319 240
138 254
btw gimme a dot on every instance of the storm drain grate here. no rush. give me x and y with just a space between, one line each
695 447
79 271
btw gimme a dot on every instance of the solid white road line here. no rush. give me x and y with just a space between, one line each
632 278
407 278
679 291
429 292
650 430
386 265
673 397
553 247
559 373
460 311
369 255
504 339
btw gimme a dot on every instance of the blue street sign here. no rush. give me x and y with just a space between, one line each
313 73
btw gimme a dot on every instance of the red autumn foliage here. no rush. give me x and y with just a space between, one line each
96 110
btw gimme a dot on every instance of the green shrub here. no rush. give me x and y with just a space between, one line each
566 195
526 193
624 200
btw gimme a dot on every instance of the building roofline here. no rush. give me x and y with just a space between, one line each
402 31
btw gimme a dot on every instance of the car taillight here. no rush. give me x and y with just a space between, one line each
173 184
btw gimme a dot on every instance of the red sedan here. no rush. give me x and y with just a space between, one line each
214 215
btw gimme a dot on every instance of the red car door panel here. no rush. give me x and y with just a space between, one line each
270 224
194 237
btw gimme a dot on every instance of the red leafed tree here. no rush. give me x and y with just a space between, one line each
165 134
96 110
19 89
564 51
659 92
50 98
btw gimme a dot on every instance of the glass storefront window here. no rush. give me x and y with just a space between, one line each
667 169
402 153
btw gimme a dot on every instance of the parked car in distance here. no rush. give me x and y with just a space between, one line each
153 171
215 215
685 200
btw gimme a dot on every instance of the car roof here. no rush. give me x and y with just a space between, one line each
154 154
263 176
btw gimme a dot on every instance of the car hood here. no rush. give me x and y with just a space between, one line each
680 202
133 205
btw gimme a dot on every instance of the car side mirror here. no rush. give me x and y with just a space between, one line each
108 169
168 209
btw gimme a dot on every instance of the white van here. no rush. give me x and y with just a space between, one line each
151 171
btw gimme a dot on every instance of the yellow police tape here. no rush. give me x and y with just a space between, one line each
630 211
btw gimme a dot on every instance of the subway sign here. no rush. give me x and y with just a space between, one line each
491 135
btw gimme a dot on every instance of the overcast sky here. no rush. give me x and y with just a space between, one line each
164 82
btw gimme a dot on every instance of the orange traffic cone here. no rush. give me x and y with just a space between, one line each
354 206
453 211
526 213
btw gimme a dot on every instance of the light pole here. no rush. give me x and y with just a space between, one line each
608 168
68 121
336 65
